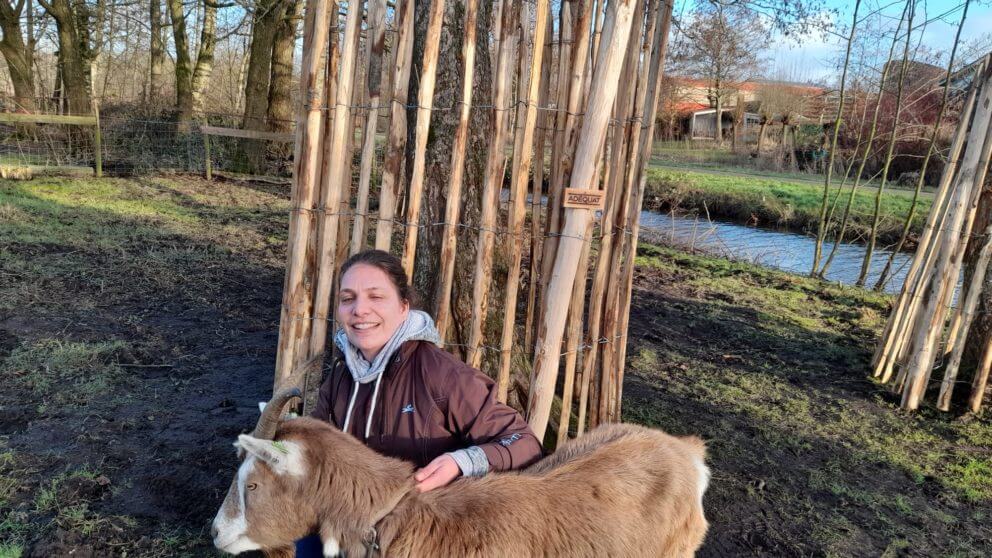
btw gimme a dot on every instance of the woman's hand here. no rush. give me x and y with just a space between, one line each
437 473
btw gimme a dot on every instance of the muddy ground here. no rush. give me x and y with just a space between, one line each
138 324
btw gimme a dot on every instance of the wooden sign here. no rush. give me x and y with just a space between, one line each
580 198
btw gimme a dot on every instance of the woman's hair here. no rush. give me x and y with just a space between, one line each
390 265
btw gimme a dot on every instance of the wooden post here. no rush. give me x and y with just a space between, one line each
97 141
293 321
391 186
573 331
518 195
425 104
334 184
621 153
375 45
931 318
552 221
967 314
495 163
891 343
616 32
207 166
523 57
981 380
453 208
537 191
639 152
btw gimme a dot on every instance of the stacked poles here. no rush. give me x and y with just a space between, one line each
910 344
587 92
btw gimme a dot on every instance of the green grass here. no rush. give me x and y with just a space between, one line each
81 235
778 202
787 358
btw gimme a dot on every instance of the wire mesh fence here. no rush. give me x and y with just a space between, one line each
138 139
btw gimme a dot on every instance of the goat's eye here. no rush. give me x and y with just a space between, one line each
252 486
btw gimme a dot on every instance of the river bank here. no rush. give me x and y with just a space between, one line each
780 203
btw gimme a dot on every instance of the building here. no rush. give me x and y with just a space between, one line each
690 107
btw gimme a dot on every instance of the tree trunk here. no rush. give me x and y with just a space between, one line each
205 57
280 111
184 65
265 25
156 61
761 136
447 92
17 54
719 117
73 44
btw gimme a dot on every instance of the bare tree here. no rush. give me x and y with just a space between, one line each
723 41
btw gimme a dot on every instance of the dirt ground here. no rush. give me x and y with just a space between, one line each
138 324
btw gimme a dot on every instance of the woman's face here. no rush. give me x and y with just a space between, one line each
369 308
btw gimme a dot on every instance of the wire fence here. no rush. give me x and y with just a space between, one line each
138 140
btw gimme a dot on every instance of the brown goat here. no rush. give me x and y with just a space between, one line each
620 490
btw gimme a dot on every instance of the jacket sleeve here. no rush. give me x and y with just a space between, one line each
482 421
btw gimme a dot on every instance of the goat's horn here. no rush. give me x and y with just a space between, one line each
266 427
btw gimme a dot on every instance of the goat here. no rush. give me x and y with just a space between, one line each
620 490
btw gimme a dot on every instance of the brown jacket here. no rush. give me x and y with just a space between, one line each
429 403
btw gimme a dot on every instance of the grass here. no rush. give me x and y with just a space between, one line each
763 359
60 372
809 456
778 202
83 263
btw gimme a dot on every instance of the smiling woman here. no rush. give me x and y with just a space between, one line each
396 391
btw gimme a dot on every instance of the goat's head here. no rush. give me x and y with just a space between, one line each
261 510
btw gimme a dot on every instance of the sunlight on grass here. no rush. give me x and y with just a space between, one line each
777 201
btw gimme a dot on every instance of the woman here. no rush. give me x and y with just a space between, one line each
400 394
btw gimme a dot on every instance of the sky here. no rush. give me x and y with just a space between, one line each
813 60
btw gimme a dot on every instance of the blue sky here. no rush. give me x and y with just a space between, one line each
812 60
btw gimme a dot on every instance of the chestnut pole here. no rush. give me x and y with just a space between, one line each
616 31
930 321
296 293
391 185
376 44
537 191
968 308
620 153
518 195
425 104
336 181
639 152
656 38
889 348
552 220
452 210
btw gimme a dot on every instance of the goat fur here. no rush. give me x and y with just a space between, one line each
620 490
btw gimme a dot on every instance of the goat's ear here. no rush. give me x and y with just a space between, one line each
283 457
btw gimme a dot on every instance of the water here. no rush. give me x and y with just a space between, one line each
782 250
787 251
